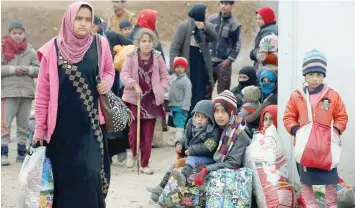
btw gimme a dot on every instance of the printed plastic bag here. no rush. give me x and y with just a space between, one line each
175 197
345 195
271 185
228 188
35 186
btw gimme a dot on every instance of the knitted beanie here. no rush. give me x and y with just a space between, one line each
267 14
227 100
269 43
251 93
314 61
181 61
16 24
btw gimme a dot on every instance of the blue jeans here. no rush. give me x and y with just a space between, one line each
194 161
179 116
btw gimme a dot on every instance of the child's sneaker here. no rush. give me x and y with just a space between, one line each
147 171
4 160
21 153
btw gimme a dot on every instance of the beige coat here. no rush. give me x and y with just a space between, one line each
13 85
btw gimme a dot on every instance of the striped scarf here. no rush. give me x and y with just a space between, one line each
228 137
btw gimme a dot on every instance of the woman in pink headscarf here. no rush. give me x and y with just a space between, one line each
68 114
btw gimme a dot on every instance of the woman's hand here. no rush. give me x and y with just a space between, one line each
200 25
36 140
103 87
138 91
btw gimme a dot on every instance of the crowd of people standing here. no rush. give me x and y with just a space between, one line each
210 131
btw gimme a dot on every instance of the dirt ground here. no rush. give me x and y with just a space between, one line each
43 18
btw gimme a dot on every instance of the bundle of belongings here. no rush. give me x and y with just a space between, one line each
271 184
345 195
174 196
227 188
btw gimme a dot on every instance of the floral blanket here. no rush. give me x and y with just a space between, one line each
228 188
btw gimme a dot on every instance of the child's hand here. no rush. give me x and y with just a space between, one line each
187 152
178 148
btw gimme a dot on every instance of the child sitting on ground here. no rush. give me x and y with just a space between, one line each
198 143
179 97
251 97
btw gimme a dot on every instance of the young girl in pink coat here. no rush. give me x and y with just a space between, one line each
145 76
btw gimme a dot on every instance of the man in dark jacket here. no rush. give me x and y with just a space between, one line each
226 49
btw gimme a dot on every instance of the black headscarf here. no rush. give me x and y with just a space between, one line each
251 73
198 13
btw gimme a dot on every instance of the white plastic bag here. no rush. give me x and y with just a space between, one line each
271 185
35 185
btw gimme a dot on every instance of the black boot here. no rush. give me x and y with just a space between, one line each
159 188
21 152
4 156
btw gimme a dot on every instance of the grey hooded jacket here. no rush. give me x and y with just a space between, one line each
205 142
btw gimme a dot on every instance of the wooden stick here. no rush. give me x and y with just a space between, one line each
138 134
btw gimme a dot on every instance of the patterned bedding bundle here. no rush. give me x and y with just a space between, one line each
228 188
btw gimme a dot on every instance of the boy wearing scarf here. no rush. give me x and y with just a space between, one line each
234 140
19 66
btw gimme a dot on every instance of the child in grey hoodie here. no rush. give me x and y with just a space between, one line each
198 145
179 97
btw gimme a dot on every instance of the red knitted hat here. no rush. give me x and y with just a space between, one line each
180 61
267 14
